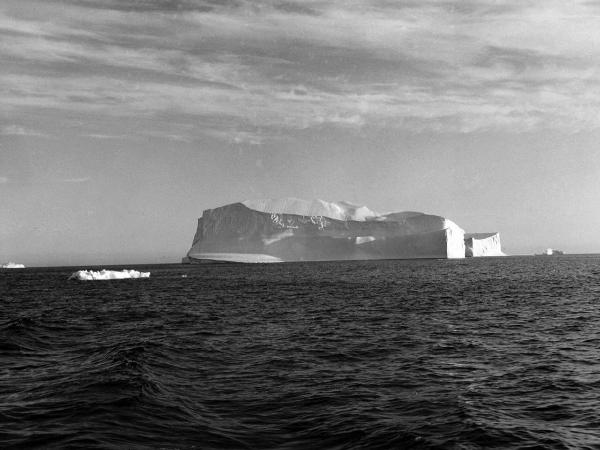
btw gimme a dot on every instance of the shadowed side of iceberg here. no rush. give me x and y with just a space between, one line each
233 257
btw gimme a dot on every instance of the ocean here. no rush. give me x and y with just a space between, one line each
421 354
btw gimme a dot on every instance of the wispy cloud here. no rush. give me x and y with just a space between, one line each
44 180
16 130
104 136
432 64
75 180
238 137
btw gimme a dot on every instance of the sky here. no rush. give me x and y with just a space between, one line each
122 120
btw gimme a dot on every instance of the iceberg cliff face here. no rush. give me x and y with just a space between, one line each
483 244
292 229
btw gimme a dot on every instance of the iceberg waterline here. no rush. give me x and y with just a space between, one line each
92 275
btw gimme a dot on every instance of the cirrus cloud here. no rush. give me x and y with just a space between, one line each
418 65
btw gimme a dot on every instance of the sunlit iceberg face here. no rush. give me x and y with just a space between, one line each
91 275
483 244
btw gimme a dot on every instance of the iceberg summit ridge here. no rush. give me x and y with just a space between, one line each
296 206
293 229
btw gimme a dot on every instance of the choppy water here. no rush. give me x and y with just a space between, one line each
480 353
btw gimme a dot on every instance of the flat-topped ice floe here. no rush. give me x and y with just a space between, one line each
13 265
92 275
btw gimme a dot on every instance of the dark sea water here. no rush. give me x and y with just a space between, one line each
478 353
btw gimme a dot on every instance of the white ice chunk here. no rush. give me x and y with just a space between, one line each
89 275
13 265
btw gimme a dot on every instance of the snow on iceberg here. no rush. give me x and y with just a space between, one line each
300 207
13 265
90 275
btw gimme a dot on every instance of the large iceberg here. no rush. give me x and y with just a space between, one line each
91 275
483 244
291 229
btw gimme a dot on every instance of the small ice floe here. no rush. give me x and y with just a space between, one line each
13 265
90 275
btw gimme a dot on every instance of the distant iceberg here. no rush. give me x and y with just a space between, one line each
551 252
13 265
90 275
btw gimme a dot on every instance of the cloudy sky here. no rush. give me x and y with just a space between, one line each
121 120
